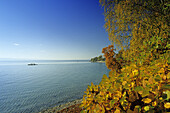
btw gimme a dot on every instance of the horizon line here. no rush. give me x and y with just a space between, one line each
37 59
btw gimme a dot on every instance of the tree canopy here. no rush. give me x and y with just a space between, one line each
130 22
95 59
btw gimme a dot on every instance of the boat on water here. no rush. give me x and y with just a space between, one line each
32 64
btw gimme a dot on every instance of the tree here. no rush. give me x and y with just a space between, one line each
95 59
139 78
100 58
130 22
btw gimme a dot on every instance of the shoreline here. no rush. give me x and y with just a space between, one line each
98 62
73 105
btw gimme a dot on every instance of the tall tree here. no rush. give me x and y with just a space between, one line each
130 22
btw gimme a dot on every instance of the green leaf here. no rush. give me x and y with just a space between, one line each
166 86
138 88
157 78
126 86
112 102
117 85
168 94
138 107
145 93
118 81
121 75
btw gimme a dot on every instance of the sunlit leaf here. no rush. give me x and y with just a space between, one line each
167 105
117 111
167 92
146 108
147 100
154 103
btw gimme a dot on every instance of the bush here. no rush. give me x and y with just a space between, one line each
131 88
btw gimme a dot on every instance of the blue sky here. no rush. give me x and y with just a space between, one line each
51 29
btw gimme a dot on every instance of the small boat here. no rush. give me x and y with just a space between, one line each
32 64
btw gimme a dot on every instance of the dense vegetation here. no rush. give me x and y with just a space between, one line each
95 59
139 80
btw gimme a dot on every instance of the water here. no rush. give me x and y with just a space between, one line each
30 89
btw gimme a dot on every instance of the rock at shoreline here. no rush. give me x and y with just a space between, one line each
70 107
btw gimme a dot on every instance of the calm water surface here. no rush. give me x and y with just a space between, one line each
30 89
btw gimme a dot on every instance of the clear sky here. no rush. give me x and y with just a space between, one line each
51 29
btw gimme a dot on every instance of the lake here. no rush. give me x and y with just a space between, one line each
31 89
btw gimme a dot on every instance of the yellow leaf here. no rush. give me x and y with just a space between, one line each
146 100
151 80
117 111
168 75
144 83
124 82
122 69
164 77
132 84
124 93
146 108
107 96
154 103
161 70
167 105
135 71
140 92
160 98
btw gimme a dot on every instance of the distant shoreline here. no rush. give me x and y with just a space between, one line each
101 61
98 62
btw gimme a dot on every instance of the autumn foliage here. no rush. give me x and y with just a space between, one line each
111 62
139 78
